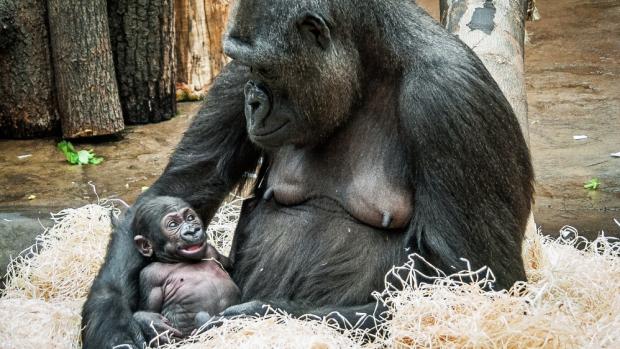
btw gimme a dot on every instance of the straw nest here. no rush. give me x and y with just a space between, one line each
572 298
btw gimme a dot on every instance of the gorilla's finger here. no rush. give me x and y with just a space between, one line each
173 331
137 336
248 308
212 322
167 330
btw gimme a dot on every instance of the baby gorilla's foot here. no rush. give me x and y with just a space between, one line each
201 318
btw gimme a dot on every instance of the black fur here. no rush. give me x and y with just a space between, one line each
382 135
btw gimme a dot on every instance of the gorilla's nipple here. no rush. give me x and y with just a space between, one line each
387 220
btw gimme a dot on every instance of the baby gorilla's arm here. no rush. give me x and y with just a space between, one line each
152 299
152 278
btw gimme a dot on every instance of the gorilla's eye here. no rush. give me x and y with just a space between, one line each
172 224
262 72
190 217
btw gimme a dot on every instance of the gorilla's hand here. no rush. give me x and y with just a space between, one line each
155 326
249 308
204 321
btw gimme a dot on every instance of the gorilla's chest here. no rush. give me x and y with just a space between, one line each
362 168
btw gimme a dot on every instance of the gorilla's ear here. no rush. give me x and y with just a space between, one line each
314 28
144 245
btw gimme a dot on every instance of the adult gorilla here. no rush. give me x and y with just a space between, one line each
381 135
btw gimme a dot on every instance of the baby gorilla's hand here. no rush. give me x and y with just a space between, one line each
156 328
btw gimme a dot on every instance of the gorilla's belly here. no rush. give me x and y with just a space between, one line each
314 252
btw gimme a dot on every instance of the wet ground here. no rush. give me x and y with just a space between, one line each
573 89
573 82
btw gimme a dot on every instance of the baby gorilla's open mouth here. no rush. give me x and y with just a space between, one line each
192 248
189 250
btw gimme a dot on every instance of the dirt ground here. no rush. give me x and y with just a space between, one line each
573 89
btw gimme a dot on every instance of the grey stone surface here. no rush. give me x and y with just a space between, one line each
19 228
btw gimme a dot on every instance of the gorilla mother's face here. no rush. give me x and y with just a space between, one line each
303 79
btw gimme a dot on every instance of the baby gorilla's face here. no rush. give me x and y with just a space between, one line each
185 236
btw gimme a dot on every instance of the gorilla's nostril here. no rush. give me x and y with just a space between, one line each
254 106
257 103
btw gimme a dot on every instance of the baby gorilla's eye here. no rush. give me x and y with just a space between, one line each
190 217
172 224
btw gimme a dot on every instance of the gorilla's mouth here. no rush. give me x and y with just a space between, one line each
270 132
192 249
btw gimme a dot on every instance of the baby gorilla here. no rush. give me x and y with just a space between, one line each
186 279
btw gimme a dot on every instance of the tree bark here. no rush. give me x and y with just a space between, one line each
495 30
199 28
184 33
26 79
84 72
142 34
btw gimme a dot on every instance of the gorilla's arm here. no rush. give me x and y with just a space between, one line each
364 317
210 160
215 152
470 202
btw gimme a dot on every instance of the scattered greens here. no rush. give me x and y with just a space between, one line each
592 184
82 157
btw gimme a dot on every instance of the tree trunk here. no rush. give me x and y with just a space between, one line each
199 28
185 34
495 30
142 35
84 72
497 39
26 79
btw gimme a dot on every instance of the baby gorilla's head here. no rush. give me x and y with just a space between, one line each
168 230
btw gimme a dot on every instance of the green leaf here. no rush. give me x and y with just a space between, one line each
592 184
82 157
66 147
62 146
73 158
95 160
69 151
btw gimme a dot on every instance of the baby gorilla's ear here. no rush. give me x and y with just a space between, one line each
144 245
